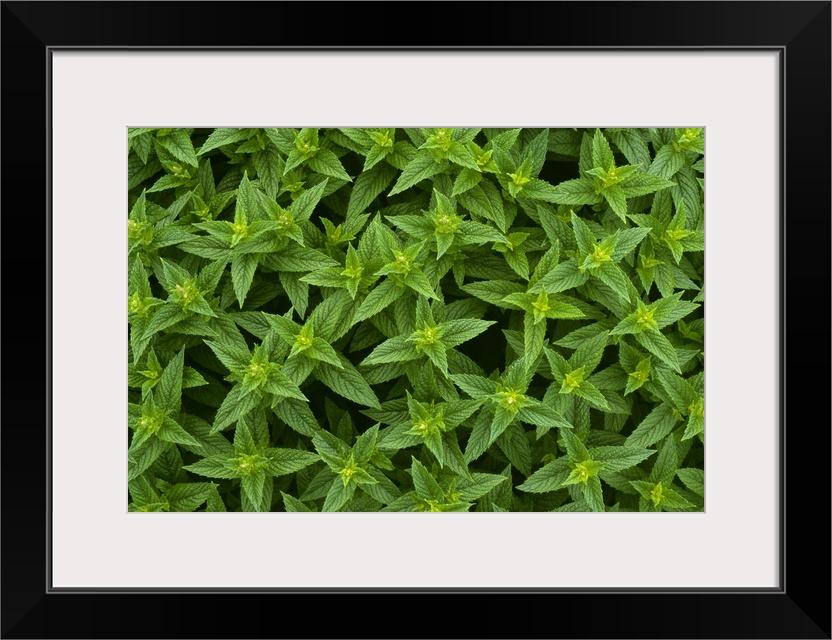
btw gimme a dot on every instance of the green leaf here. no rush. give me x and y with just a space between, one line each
323 351
479 485
612 276
417 281
590 352
398 349
230 354
167 316
591 394
233 407
425 484
208 247
628 240
284 461
172 431
632 144
422 166
467 179
695 426
417 226
514 444
667 462
269 167
658 423
368 186
461 155
221 137
494 291
455 332
330 277
139 460
338 495
476 233
384 491
347 382
575 448
601 152
305 204
667 162
168 392
295 258
564 276
178 143
325 162
539 190
484 200
674 501
256 490
481 437
679 390
619 458
188 497
219 466
534 335
242 274
594 495
378 299
580 191
543 416
547 478
657 344
247 198
687 190
693 479
475 386
293 505
297 415
640 184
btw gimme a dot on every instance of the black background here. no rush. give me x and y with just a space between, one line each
801 609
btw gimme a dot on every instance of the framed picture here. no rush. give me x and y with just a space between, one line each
752 78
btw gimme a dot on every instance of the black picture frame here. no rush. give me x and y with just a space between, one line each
799 608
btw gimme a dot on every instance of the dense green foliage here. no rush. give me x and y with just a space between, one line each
416 319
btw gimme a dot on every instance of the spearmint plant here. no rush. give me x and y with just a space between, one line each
443 319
